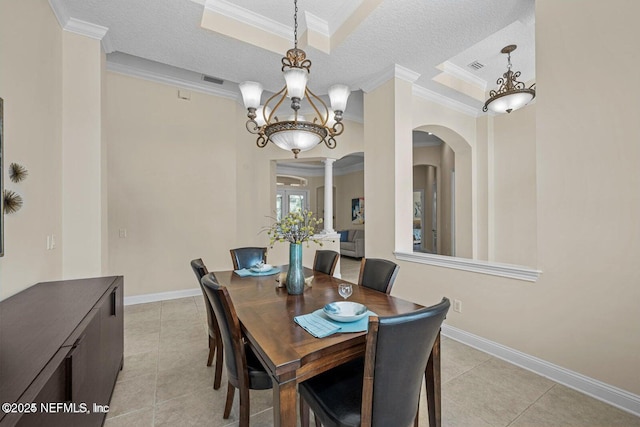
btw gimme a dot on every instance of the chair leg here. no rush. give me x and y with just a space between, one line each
244 407
218 376
212 349
231 390
318 423
304 413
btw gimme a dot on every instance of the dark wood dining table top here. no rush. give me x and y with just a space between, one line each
266 313
291 354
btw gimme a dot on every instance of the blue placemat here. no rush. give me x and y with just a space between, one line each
320 325
247 272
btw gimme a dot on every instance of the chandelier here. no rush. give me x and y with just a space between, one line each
511 94
295 132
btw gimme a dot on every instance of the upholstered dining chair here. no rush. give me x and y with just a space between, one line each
247 257
378 274
325 261
244 370
215 340
383 388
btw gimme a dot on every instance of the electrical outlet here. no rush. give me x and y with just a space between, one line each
48 243
53 241
123 233
457 306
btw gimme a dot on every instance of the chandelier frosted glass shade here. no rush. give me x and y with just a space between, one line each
511 94
338 95
296 79
251 94
295 133
511 101
296 136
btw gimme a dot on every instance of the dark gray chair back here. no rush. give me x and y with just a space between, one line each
325 261
200 270
402 347
247 257
229 324
378 274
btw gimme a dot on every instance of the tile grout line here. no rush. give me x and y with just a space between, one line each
533 403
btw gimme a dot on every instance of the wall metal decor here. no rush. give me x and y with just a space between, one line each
12 201
17 172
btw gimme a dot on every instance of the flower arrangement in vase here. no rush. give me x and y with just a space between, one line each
296 228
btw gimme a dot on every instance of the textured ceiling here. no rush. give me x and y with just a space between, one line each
419 35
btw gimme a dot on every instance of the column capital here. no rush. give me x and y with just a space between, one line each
328 160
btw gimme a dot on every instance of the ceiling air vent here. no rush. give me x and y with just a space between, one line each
475 65
212 79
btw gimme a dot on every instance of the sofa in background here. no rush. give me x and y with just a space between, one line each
352 243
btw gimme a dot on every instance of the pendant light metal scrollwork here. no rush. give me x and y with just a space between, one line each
511 94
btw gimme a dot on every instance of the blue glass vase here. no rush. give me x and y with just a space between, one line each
295 275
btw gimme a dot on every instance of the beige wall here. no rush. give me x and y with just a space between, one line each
348 186
84 219
514 188
169 163
31 86
588 228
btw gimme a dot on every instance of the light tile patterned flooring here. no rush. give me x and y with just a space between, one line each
165 380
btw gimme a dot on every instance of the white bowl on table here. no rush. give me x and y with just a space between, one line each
261 268
345 311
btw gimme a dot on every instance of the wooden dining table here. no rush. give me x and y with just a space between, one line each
292 355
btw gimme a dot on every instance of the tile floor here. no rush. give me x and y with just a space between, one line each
165 381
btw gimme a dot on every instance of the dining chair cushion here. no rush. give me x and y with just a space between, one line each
258 378
339 401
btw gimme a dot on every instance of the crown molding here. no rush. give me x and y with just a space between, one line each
232 11
107 45
309 170
464 75
458 106
394 71
86 29
317 25
60 12
169 80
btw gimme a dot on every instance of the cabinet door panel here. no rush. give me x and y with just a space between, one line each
50 387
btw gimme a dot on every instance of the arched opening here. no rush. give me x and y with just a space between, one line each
442 205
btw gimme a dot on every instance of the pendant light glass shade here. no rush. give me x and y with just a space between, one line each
510 102
251 94
262 115
296 79
298 140
338 94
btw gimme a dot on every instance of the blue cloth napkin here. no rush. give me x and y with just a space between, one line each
248 272
320 325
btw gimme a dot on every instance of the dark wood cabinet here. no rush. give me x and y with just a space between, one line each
61 348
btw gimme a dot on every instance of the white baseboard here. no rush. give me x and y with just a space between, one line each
162 296
619 398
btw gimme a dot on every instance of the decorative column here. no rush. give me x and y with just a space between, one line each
328 196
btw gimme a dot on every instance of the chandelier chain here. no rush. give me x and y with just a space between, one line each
295 24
